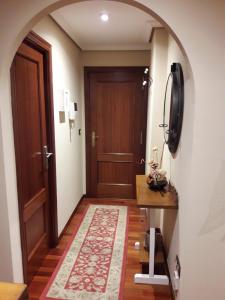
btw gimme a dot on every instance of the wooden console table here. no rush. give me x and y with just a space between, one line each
149 199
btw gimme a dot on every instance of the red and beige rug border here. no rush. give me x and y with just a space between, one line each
123 273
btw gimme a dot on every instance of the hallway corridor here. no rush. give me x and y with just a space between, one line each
135 230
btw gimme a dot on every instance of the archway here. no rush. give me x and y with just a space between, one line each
20 35
52 7
200 28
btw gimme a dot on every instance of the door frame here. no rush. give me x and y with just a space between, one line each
87 71
37 43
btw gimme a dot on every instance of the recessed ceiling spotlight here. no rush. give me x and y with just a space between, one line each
104 17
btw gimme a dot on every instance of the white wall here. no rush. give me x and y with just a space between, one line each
158 68
200 28
179 167
165 51
5 247
67 74
116 58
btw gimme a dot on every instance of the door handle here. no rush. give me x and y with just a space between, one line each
46 155
141 162
94 137
141 138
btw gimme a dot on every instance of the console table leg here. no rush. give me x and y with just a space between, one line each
151 278
152 251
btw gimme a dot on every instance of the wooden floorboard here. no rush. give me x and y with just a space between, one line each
136 227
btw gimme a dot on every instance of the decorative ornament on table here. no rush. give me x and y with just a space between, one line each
157 177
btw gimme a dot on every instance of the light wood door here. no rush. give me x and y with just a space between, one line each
29 116
116 107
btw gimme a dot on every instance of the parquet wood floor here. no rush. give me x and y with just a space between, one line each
136 227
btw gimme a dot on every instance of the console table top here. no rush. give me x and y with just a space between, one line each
147 198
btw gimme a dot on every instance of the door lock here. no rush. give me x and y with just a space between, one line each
94 137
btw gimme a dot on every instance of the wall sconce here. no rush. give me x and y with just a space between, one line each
144 82
147 80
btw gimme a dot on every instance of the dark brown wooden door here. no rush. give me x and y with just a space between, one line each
29 116
116 109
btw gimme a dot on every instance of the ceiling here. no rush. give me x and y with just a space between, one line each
128 28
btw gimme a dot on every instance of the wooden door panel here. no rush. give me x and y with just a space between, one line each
113 190
114 97
115 104
115 109
35 233
33 205
114 172
115 157
29 118
28 115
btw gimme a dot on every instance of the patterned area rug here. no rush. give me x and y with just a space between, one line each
92 266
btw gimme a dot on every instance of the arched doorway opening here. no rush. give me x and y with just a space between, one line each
52 7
